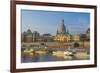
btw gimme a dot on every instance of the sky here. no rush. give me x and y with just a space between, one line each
49 21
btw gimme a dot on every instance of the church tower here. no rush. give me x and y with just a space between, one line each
67 31
57 32
62 35
62 29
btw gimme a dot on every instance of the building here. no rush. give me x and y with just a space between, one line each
88 34
47 37
62 29
62 38
76 37
85 36
28 36
22 37
62 35
36 36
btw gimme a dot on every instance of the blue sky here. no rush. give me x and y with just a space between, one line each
49 21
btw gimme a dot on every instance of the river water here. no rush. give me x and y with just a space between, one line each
47 58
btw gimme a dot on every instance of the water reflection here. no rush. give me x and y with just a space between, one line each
46 58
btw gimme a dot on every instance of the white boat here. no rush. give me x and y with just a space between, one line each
68 53
62 53
28 50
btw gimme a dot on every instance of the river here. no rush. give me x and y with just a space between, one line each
48 58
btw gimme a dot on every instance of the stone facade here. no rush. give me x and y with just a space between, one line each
28 36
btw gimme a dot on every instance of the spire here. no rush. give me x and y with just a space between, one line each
67 31
57 32
63 21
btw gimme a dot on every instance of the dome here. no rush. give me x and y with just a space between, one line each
62 29
29 31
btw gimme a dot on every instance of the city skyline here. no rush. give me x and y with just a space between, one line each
48 21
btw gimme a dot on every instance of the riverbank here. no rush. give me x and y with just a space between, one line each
43 56
85 44
78 53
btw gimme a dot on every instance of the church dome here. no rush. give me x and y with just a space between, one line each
62 29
